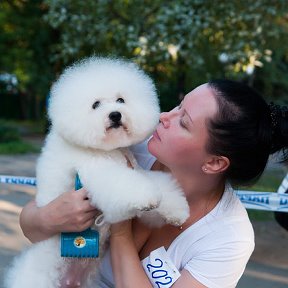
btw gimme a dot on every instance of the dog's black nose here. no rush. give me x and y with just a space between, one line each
115 116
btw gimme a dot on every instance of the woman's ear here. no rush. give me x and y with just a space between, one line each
216 164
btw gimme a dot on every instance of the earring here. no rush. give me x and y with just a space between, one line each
205 169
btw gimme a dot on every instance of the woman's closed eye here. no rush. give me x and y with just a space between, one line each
183 124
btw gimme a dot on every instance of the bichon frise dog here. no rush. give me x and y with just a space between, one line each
98 108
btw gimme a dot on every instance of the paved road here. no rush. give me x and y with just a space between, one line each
267 268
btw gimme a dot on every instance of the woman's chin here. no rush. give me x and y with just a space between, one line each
152 146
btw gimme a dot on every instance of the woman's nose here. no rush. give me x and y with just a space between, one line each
164 119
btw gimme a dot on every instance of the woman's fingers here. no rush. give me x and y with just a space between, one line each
71 211
85 221
90 215
83 194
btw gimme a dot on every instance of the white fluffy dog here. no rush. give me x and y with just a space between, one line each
98 108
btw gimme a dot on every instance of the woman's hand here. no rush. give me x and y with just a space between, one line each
70 212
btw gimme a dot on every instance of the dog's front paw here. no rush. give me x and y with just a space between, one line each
148 207
176 212
144 202
175 218
128 209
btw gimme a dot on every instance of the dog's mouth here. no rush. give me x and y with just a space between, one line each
116 125
116 121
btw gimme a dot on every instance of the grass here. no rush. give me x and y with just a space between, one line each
13 132
269 182
27 126
17 147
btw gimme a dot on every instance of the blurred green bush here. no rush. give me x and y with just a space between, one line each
11 139
8 133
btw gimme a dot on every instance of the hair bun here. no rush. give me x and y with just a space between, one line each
279 125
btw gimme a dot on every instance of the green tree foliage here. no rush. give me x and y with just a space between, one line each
25 41
180 43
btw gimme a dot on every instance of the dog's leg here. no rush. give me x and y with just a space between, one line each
120 192
173 207
39 266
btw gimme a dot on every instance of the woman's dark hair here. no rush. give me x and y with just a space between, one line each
246 130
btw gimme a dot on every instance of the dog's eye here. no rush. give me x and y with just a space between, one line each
120 100
96 104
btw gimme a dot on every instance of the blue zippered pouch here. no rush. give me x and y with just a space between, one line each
83 244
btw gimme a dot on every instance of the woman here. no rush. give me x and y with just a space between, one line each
222 133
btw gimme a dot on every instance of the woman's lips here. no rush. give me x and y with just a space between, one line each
156 135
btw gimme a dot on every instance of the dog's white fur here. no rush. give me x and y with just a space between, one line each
84 139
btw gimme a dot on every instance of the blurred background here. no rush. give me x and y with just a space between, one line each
180 44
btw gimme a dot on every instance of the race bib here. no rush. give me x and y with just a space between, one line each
160 269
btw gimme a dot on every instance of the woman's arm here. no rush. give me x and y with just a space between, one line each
126 265
70 212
